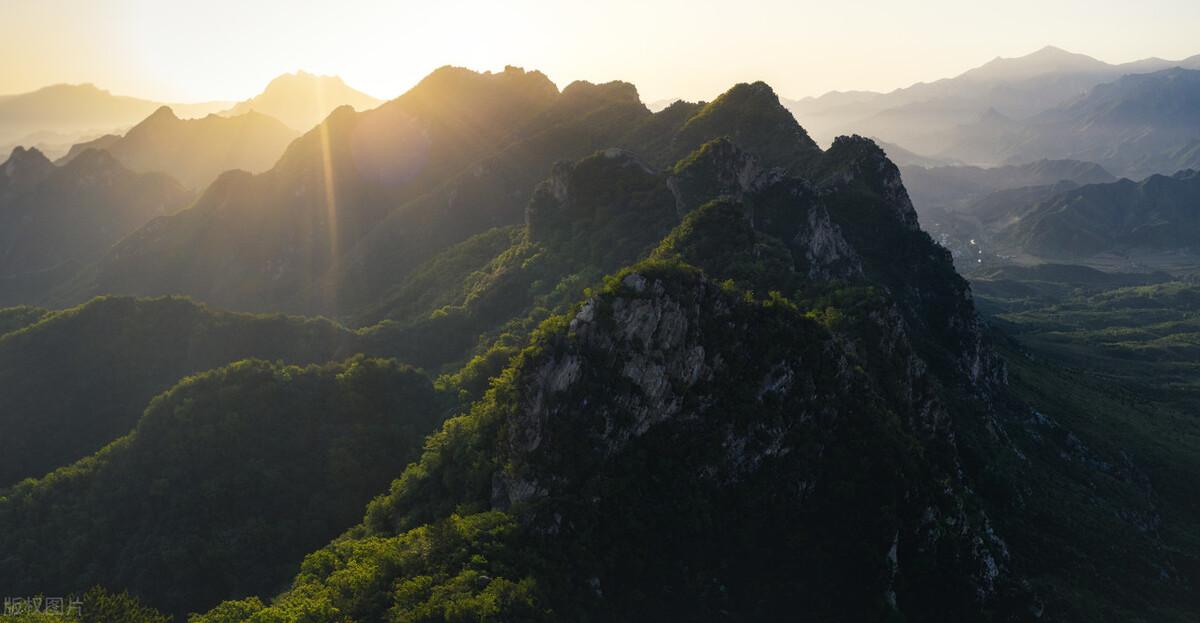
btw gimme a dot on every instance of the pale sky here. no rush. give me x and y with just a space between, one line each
174 50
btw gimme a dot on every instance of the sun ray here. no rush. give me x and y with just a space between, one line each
330 195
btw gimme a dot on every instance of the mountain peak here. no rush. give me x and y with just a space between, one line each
20 154
615 91
163 112
302 99
1051 50
1047 60
162 117
26 165
752 116
303 78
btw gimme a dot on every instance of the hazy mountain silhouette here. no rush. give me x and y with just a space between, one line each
196 151
957 187
302 100
76 111
1159 213
923 117
52 215
1135 126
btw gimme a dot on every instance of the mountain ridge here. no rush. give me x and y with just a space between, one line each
196 151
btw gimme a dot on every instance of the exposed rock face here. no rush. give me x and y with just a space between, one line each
776 204
719 168
679 358
826 252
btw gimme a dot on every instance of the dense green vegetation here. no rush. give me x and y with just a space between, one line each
569 525
79 378
14 318
588 544
1139 331
1103 516
589 218
97 605
227 481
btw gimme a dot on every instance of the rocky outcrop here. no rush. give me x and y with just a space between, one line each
677 357
718 168
776 204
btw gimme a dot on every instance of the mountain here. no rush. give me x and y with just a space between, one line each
52 215
1155 215
905 158
924 116
134 350
953 188
699 369
227 480
196 151
544 462
1136 126
73 111
738 422
661 104
302 100
356 203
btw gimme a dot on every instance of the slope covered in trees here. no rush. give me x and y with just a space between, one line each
79 378
228 479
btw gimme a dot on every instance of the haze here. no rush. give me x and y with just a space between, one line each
226 50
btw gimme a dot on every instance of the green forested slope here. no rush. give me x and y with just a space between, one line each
79 378
227 480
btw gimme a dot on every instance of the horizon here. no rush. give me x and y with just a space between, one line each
137 49
561 84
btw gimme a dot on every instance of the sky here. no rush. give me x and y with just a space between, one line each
182 51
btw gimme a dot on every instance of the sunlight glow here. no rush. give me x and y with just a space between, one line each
328 182
226 49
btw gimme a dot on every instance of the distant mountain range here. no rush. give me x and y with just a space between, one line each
54 215
302 100
1158 214
1136 126
55 117
69 112
981 115
954 188
1065 211
195 151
